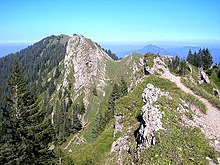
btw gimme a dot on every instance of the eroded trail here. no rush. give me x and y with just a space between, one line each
209 122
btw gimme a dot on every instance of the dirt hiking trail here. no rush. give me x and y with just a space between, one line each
209 122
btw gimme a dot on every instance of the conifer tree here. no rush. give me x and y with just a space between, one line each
94 91
123 88
201 59
190 57
207 59
27 133
76 125
174 63
114 96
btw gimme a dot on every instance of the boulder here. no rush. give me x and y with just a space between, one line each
205 77
121 145
52 147
216 93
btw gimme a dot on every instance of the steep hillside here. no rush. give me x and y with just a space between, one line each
164 128
36 60
87 68
65 71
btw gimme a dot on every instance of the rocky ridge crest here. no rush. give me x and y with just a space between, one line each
150 123
151 116
87 62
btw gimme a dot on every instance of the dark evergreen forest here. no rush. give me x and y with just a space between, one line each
36 61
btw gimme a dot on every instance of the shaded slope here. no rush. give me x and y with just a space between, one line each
37 60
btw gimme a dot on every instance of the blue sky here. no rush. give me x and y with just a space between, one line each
111 20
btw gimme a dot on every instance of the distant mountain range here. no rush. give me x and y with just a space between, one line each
149 48
173 51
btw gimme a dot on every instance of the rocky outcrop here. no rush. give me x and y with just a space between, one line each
151 117
118 126
150 123
189 67
122 144
205 77
216 93
87 62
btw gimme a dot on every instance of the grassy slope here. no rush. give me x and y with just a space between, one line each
214 78
131 106
184 145
205 90
98 105
175 144
122 68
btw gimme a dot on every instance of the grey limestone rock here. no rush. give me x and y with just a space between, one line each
87 62
205 77
151 117
216 93
118 126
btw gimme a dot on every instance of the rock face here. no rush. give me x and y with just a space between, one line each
151 117
87 62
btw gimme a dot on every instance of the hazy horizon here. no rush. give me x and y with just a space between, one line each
119 48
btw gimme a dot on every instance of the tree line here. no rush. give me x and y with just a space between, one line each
66 119
109 52
202 58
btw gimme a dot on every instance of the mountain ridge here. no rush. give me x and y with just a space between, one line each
81 88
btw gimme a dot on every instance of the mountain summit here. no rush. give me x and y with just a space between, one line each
154 49
148 49
87 62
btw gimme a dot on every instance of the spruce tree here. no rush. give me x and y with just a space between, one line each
207 59
28 132
76 125
174 63
190 57
123 88
114 96
81 107
201 59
